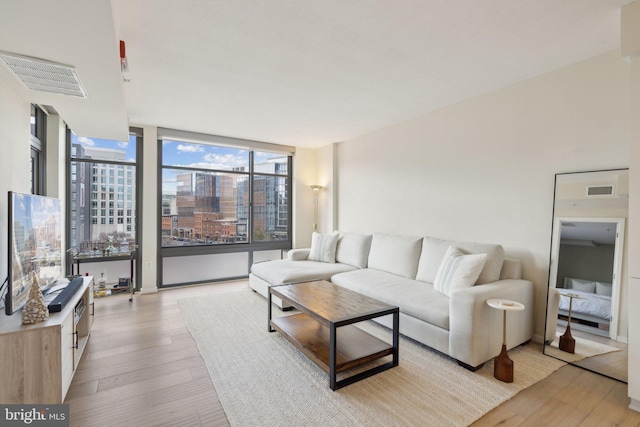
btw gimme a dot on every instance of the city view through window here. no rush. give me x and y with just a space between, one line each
214 195
102 196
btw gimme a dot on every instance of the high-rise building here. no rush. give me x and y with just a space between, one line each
80 195
215 207
103 196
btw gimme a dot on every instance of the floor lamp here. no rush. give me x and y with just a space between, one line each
315 189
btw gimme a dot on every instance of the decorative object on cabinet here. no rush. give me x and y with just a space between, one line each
35 310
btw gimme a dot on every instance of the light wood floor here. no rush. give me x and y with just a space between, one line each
142 368
612 364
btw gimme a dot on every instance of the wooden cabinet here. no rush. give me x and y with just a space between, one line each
37 362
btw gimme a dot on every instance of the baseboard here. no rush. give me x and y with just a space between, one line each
148 290
635 405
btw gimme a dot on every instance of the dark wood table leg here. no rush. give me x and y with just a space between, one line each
567 342
503 366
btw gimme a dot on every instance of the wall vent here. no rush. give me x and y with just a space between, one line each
44 76
600 190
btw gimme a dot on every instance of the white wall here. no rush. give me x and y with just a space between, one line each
304 174
634 218
15 134
327 197
483 169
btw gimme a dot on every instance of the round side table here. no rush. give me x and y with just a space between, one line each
502 365
567 342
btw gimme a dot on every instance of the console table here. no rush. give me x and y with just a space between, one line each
37 362
130 256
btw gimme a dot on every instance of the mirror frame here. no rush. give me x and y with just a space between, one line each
554 230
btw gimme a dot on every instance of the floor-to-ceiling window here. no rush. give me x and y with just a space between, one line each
103 194
222 199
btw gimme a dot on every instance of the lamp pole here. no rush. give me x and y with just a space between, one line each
315 189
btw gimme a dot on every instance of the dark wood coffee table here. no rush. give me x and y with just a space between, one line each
324 308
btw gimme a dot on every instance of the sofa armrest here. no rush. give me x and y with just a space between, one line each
298 254
475 329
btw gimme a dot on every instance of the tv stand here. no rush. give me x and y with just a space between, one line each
37 362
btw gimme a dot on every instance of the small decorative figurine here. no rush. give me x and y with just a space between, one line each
35 310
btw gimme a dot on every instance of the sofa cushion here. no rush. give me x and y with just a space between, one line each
285 271
433 250
323 247
353 249
395 254
414 298
458 271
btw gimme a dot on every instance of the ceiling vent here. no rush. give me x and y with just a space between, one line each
600 190
44 76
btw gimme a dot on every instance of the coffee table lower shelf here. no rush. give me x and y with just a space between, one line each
354 347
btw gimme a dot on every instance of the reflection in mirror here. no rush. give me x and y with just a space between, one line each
586 312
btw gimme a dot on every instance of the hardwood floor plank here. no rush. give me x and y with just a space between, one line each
185 390
500 417
613 410
586 393
151 372
114 395
95 353
78 390
531 399
556 413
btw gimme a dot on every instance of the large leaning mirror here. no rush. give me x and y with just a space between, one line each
586 321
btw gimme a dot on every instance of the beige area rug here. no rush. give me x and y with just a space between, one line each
584 349
262 380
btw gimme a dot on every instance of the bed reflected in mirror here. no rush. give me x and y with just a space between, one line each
586 314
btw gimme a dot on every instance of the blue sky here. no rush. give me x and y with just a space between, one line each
203 156
177 153
128 146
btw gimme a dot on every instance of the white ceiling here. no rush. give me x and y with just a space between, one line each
303 73
600 233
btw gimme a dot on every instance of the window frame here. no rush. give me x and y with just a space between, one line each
138 133
38 132
251 245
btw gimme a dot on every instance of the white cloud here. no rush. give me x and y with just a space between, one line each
123 144
213 165
225 161
87 142
190 148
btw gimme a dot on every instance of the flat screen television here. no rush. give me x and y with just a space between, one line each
35 245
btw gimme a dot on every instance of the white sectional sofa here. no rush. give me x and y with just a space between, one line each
440 286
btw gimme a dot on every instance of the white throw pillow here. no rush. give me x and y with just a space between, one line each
458 271
433 250
353 249
323 247
582 285
395 254
604 289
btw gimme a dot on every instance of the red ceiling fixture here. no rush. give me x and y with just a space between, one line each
124 66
